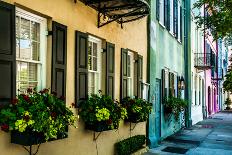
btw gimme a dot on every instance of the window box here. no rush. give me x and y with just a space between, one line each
99 127
32 138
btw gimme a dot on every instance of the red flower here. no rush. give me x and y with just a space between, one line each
53 115
5 127
44 91
26 118
54 93
109 122
14 101
62 98
26 98
73 105
29 90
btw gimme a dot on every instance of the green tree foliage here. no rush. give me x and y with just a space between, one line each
220 19
227 85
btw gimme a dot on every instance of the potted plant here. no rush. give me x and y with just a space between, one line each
138 109
228 103
101 113
174 105
36 117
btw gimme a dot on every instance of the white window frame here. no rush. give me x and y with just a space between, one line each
130 78
41 68
99 64
171 17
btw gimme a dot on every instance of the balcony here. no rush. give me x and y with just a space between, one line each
120 11
203 61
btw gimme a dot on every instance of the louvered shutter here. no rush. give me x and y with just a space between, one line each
59 55
81 66
158 10
175 15
167 14
177 20
164 94
124 73
7 53
140 76
181 23
110 69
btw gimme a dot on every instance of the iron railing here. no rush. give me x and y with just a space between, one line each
203 61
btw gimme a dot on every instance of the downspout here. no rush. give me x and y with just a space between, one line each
187 61
148 69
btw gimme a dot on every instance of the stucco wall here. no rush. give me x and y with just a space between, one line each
165 52
82 18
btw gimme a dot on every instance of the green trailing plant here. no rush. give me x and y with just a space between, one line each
130 145
227 84
101 111
39 112
174 105
220 19
228 103
138 109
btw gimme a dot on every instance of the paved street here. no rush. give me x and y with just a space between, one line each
209 137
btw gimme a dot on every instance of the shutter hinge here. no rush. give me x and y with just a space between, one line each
49 33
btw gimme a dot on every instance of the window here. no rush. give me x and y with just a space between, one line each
171 17
161 12
130 76
30 51
94 65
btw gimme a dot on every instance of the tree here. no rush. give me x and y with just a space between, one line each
220 19
227 84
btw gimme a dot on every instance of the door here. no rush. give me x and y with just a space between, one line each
158 108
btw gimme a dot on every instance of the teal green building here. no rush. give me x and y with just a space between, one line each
168 59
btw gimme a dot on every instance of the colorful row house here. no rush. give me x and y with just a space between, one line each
75 48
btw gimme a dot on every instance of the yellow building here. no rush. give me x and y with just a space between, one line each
62 45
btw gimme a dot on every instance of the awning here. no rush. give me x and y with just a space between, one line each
121 11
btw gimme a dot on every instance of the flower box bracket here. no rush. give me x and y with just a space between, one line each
96 135
134 125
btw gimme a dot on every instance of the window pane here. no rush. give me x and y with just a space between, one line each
90 63
94 64
22 87
17 48
25 29
94 49
90 48
35 51
22 71
17 24
32 72
25 49
129 65
91 83
32 85
35 29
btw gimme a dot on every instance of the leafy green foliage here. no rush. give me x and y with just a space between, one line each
37 112
101 108
228 102
175 105
227 84
130 145
138 109
220 19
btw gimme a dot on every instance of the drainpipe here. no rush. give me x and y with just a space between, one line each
187 61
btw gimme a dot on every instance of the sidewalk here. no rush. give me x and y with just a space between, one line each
209 137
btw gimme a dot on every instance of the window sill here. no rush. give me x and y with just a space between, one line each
162 25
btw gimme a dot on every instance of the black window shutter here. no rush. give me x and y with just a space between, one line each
158 10
140 76
81 66
164 94
177 87
168 15
7 53
110 69
59 58
181 22
174 16
124 73
177 20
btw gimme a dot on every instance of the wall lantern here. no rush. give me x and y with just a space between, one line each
181 83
